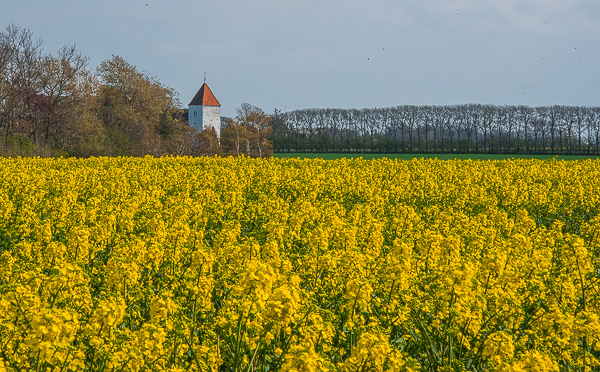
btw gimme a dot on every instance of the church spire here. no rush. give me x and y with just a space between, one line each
204 97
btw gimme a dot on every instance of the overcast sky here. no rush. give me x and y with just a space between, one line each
345 54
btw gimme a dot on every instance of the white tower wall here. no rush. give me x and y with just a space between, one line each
202 117
211 117
195 117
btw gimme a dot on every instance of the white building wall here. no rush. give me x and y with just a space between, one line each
201 117
211 117
195 117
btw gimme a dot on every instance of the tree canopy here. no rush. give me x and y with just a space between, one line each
55 105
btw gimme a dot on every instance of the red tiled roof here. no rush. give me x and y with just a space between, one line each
204 97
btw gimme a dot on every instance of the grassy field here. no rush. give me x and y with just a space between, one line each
332 156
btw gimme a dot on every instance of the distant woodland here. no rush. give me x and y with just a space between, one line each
55 105
471 128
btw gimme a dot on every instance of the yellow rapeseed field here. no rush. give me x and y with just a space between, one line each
236 264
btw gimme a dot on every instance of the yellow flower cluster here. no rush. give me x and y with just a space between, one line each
206 264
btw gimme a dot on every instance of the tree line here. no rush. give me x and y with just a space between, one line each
470 128
55 105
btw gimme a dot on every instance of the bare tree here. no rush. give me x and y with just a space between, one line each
21 82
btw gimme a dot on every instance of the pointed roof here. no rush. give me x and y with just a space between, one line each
204 97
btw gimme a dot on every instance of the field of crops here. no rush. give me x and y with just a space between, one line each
234 264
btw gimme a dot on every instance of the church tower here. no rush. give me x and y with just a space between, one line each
204 111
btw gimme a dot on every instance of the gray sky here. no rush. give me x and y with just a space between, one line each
347 53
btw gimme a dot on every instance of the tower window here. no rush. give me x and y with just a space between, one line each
195 113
